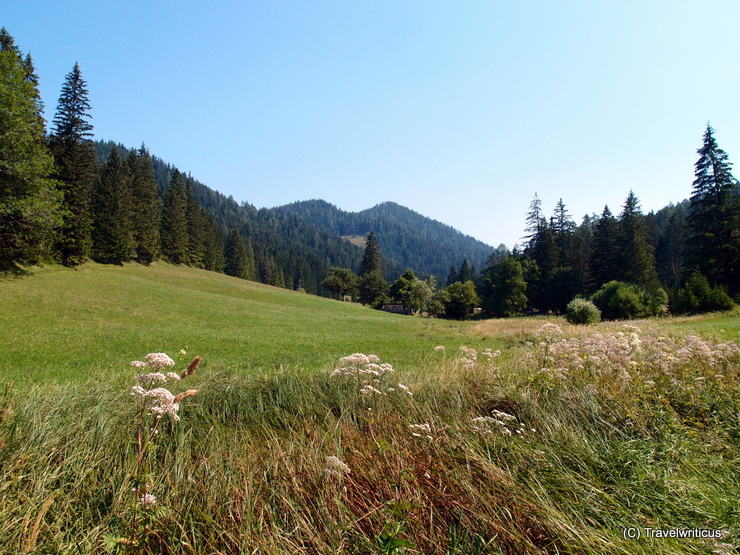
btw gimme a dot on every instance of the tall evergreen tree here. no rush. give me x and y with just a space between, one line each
535 221
563 227
145 213
669 255
637 261
174 232
714 216
452 276
76 165
214 254
29 201
111 238
466 272
371 260
604 255
235 255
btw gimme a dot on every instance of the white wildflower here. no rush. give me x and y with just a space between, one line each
161 402
148 501
405 389
336 467
439 348
159 361
173 376
423 431
151 379
138 364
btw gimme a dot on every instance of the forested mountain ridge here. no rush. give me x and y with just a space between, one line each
282 242
406 237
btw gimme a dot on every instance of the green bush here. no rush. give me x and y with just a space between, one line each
698 296
582 311
622 301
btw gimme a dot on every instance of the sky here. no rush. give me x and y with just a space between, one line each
461 111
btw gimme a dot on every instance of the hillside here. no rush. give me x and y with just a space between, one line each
304 238
68 325
406 237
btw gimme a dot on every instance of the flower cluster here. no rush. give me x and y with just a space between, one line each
468 358
499 422
620 353
335 467
369 374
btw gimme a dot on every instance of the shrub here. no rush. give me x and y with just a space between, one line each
582 311
622 301
698 296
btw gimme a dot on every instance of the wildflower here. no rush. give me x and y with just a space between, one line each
137 391
151 379
173 376
148 500
405 389
336 467
370 390
439 348
158 361
161 402
182 352
138 364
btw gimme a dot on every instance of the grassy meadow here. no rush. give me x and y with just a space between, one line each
540 438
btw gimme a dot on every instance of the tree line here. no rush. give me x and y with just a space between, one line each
682 259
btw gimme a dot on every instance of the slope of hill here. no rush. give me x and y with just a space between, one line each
67 325
406 237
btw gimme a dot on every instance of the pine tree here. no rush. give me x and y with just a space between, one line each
563 227
669 256
535 221
29 201
605 256
452 276
174 232
214 256
235 256
76 167
466 272
145 214
636 258
196 228
371 260
714 217
111 238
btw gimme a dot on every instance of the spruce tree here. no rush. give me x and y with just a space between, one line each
174 232
235 256
669 255
466 272
111 238
76 167
604 260
29 201
452 276
563 227
636 257
145 214
535 221
714 217
214 250
196 228
371 260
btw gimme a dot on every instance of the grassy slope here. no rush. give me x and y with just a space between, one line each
62 324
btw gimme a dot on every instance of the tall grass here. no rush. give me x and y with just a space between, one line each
244 470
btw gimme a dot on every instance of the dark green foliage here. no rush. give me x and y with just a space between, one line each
371 261
174 231
562 284
714 217
636 258
407 239
341 281
604 260
622 301
197 229
144 215
505 283
29 201
214 251
235 256
112 240
76 167
466 272
459 299
669 254
452 276
400 289
581 311
698 296
373 289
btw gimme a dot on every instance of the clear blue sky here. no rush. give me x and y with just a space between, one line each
459 110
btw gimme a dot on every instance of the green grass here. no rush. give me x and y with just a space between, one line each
67 325
644 441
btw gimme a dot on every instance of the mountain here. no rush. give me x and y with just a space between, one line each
406 238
